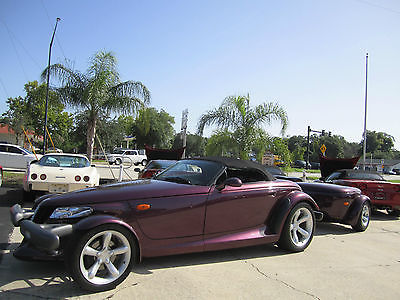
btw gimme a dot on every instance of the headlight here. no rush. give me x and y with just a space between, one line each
71 212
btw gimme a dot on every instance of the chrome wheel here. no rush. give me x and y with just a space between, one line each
105 257
363 218
365 215
298 229
301 227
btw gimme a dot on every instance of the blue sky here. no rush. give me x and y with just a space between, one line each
306 55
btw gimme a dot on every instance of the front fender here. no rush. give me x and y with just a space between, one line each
355 210
91 222
283 207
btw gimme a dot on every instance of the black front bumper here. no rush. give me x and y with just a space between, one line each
45 237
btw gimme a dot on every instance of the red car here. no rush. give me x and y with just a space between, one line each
195 205
154 167
383 194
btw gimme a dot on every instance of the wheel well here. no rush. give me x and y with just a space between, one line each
90 223
281 210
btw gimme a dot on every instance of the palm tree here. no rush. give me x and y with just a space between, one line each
98 92
236 114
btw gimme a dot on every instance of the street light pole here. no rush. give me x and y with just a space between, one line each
47 90
365 112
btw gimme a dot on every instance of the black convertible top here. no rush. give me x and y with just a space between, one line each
235 163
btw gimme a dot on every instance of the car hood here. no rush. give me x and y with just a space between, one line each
314 187
133 190
329 165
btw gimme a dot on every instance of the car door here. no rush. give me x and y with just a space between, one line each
4 157
16 158
239 208
177 216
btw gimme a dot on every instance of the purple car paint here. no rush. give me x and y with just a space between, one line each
196 205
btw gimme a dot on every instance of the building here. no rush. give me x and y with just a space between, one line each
379 165
7 135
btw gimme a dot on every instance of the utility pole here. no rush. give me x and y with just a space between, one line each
365 112
47 90
183 130
323 132
308 146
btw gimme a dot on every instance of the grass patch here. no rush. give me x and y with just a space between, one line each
288 169
394 181
13 179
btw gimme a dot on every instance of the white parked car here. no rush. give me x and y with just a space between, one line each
59 173
126 156
15 157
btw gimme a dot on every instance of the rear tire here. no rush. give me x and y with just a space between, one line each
118 161
144 162
363 218
298 229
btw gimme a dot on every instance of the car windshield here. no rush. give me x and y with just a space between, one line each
364 176
196 172
274 170
65 161
333 176
160 164
119 151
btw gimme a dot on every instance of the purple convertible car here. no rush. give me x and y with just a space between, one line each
195 205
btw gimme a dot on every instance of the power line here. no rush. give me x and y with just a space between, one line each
15 50
4 87
12 35
378 6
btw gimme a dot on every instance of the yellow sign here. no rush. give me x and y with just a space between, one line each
323 149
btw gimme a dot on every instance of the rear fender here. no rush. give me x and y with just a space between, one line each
91 222
355 210
282 209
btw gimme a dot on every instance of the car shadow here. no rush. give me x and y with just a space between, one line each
379 215
50 278
210 257
325 228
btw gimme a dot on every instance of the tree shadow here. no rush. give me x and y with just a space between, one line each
12 196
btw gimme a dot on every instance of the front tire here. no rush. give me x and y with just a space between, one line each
298 230
118 161
102 257
144 162
363 218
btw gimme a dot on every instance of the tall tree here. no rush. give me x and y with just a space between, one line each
195 144
222 143
28 112
98 92
153 128
236 114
